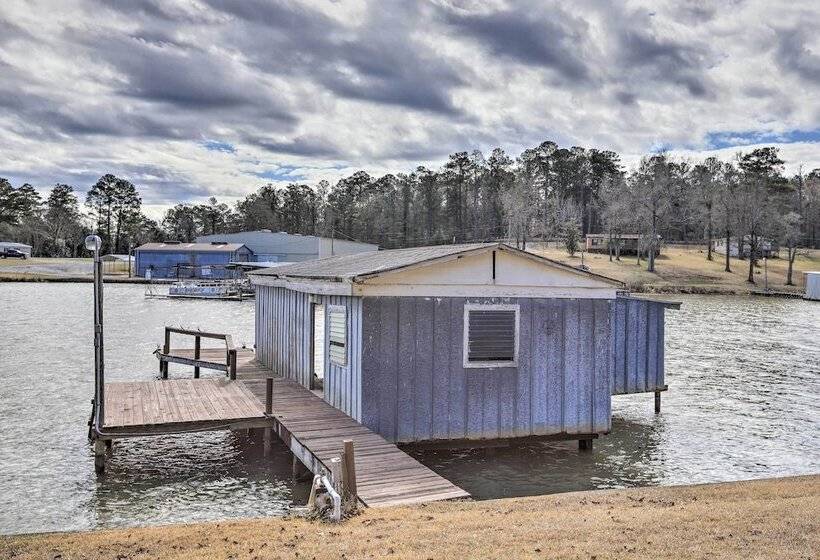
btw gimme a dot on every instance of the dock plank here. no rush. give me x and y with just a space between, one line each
386 475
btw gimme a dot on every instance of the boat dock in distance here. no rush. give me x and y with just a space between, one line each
314 430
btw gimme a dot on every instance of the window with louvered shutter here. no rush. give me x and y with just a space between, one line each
490 335
337 334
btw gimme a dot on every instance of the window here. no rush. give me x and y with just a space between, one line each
490 335
337 334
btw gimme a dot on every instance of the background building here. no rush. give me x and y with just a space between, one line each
172 259
269 246
22 247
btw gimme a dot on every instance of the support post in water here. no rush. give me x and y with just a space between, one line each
349 469
657 402
267 436
232 364
166 349
197 352
585 445
99 455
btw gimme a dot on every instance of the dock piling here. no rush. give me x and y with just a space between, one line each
99 456
267 436
585 445
197 351
657 402
349 469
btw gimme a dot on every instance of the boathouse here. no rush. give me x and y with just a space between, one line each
460 342
174 259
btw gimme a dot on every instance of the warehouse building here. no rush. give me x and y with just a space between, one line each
273 247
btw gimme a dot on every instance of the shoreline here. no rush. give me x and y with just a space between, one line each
765 518
645 289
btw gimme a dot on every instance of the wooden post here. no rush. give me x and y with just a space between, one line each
337 475
269 396
99 456
267 436
166 349
657 402
585 445
349 469
197 347
232 363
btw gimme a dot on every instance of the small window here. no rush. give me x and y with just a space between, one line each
337 334
490 335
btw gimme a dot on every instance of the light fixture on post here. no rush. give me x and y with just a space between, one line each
93 244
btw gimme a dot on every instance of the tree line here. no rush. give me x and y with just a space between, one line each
547 192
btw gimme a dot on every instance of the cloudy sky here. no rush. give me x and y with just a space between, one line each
192 98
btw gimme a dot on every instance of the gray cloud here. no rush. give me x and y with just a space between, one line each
138 87
794 56
548 38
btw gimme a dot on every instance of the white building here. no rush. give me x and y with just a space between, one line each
766 247
269 246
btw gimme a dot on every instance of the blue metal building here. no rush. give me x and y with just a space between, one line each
172 259
460 342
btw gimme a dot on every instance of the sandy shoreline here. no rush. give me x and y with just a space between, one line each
771 518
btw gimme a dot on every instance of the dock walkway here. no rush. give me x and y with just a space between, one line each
313 429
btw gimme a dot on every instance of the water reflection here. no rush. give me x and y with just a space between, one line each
144 484
630 456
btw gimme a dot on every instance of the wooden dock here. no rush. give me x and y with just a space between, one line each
313 429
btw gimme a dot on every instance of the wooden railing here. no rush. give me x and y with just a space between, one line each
165 357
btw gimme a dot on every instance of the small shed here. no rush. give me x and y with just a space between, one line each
459 342
812 286
173 259
22 247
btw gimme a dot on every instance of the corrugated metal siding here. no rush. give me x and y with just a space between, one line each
415 388
637 344
283 342
283 332
164 262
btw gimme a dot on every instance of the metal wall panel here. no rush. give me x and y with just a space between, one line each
283 342
415 387
638 339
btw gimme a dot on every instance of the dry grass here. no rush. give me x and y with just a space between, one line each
686 269
778 518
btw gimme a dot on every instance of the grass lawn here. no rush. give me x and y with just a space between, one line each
776 518
686 269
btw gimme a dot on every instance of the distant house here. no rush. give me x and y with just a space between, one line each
766 247
630 243
269 246
460 342
22 247
113 257
173 259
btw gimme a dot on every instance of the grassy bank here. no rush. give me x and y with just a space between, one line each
775 518
678 270
685 270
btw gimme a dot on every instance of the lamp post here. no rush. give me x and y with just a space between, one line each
93 243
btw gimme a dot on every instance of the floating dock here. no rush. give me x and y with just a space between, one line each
313 429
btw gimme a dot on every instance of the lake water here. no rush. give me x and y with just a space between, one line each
744 402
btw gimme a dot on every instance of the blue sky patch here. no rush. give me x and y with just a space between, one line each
217 146
284 173
717 140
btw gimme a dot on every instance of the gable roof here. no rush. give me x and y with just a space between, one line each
195 247
350 268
